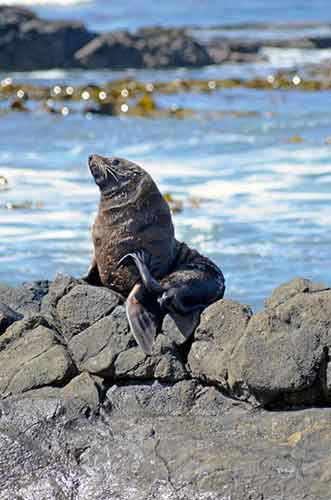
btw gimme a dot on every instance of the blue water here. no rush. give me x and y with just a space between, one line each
265 213
106 15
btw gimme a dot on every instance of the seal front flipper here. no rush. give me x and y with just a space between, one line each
142 321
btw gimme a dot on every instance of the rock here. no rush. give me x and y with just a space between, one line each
96 348
283 357
108 349
171 331
284 292
57 289
31 356
186 397
166 47
83 306
29 43
148 48
164 364
25 299
234 454
15 16
82 394
7 317
111 50
221 327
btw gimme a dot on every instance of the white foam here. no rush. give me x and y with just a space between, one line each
287 58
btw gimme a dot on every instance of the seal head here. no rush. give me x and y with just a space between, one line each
117 178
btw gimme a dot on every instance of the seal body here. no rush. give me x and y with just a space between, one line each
137 255
142 222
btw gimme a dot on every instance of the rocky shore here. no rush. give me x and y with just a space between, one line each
239 411
30 43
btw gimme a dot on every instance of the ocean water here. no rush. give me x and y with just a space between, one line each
265 210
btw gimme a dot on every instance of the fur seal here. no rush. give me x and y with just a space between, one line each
136 253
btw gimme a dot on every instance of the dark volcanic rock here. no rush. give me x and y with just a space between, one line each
171 48
111 50
83 306
221 327
107 348
149 48
179 455
283 357
32 356
29 43
84 413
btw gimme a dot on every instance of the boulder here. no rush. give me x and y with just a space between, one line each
148 48
283 357
29 43
96 348
111 50
287 290
82 306
164 364
166 47
221 327
32 356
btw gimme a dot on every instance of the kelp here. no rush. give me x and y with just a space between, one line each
127 96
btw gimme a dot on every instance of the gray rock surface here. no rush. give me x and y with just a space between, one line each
283 357
83 306
32 356
221 327
85 414
25 299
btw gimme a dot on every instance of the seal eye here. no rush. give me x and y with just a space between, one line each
115 162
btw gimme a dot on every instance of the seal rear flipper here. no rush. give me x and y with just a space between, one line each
187 323
143 323
142 260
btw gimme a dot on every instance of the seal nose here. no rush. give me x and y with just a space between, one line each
90 159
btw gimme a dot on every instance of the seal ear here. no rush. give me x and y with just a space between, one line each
143 322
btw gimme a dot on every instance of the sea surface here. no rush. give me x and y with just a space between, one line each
265 209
